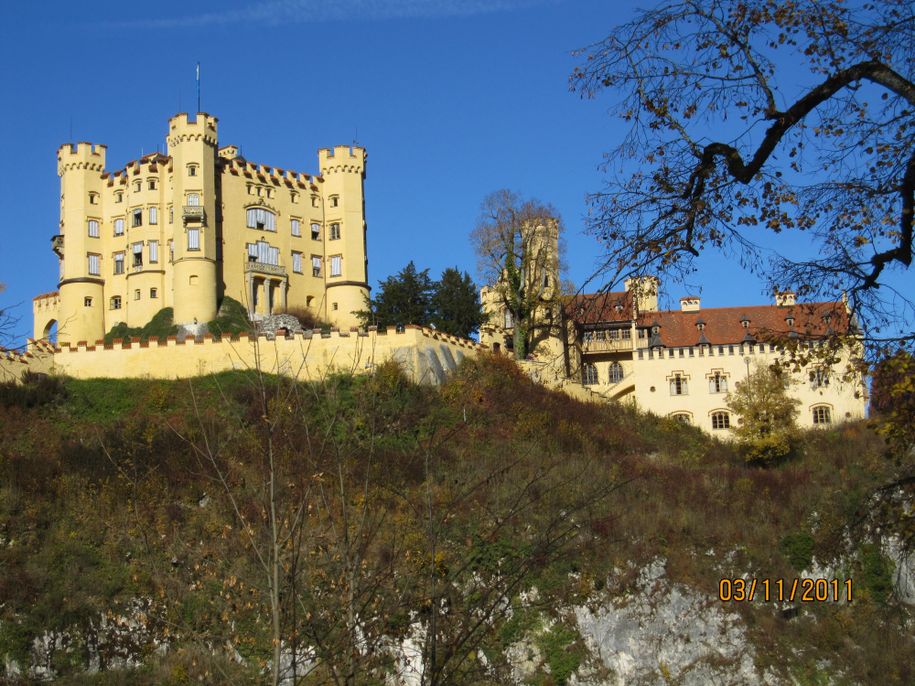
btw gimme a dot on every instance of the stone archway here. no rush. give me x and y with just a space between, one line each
49 333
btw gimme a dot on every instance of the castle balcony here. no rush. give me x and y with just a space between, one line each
57 245
264 268
194 213
608 345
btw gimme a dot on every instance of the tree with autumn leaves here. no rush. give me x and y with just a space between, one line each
750 118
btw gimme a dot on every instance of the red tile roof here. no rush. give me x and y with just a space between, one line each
723 325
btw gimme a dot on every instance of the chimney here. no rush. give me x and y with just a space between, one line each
689 303
784 298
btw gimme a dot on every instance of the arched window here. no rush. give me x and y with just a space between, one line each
678 385
721 420
588 374
717 383
507 320
682 417
616 372
822 415
259 218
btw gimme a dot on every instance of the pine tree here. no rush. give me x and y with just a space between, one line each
456 304
405 298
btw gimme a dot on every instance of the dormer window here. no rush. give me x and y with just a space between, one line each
655 330
700 326
789 321
745 323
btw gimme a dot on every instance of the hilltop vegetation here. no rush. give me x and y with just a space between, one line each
354 515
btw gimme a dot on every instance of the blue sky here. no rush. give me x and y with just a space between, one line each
452 99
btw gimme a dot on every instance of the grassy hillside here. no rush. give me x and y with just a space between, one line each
344 514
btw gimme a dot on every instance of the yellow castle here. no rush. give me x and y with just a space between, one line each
186 228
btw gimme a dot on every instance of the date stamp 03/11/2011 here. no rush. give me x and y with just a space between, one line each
802 590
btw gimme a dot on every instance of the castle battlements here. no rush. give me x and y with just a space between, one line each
203 127
83 155
342 159
427 355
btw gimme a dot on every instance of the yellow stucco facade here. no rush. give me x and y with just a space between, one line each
682 363
185 228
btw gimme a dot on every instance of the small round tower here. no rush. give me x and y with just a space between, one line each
193 145
81 311
343 172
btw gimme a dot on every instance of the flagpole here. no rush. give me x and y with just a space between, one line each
198 86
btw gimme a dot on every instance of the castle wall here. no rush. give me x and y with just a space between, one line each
427 355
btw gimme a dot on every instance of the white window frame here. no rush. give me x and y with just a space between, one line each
296 262
92 228
153 252
336 265
193 239
94 264
295 226
153 215
119 226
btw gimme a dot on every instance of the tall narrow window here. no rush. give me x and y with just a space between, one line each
137 250
334 231
119 227
153 215
336 265
678 385
137 186
119 196
136 294
154 251
193 200
315 231
171 250
151 184
192 170
717 383
589 374
297 262
616 372
153 293
94 264
334 201
93 228
316 265
296 227
137 217
193 239
119 263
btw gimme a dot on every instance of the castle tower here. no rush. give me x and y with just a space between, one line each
192 145
81 310
343 170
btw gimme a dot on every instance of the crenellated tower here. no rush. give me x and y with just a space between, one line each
343 173
80 167
192 145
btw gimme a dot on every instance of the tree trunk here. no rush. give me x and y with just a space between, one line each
520 341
